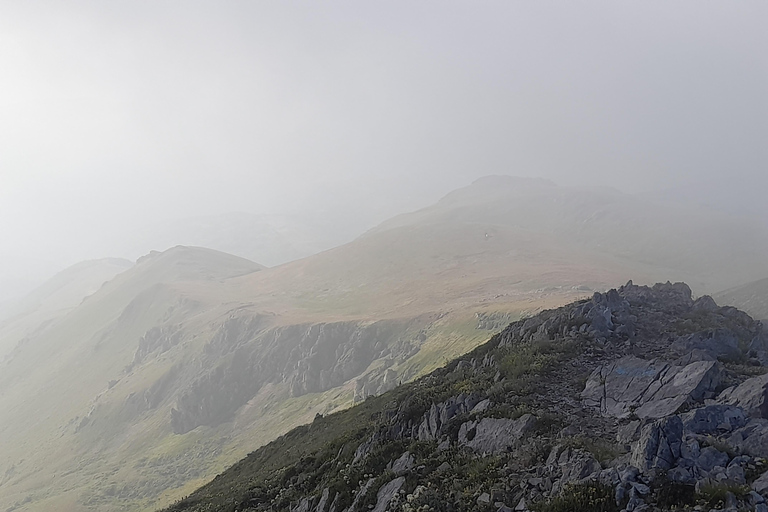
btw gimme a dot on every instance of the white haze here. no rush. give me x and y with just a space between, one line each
119 116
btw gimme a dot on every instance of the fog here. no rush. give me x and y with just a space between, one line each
119 116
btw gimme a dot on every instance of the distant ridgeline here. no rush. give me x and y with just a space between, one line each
637 398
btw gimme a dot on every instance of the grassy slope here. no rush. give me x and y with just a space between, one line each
62 293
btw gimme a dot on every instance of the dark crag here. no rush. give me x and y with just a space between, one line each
638 399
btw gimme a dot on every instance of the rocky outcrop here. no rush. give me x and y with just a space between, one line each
386 493
751 395
716 343
751 439
659 445
649 389
491 435
714 419
614 401
438 416
307 358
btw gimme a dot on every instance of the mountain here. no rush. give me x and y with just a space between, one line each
62 293
751 297
181 365
268 239
635 399
50 384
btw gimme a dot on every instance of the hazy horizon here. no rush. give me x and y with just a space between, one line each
120 116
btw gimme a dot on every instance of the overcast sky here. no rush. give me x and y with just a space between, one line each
116 114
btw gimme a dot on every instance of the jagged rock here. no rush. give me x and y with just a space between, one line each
360 495
323 500
491 435
751 439
577 466
363 450
305 505
713 419
481 406
438 415
629 474
719 343
705 303
629 433
403 464
609 477
386 493
681 475
760 485
694 356
751 395
711 457
735 473
690 449
554 454
674 297
659 445
648 389
484 499
334 504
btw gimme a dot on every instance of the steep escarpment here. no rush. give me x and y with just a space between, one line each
308 358
637 399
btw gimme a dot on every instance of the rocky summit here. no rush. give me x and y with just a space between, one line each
637 399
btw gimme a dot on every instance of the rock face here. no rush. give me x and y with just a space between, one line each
751 439
751 395
310 358
649 389
714 419
386 493
717 343
491 435
439 415
659 445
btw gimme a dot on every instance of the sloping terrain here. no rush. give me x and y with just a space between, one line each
268 239
751 297
638 399
181 365
62 293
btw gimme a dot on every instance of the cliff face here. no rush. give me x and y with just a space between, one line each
309 358
637 399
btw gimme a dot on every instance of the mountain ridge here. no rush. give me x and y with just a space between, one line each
494 430
242 354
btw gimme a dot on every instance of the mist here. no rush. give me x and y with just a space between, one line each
116 117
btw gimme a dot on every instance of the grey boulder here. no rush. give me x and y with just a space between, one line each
491 435
714 419
659 445
751 439
649 389
751 395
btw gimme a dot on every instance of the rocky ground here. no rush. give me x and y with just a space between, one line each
638 399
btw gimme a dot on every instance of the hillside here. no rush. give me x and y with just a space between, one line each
178 367
638 399
62 293
751 297
268 239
